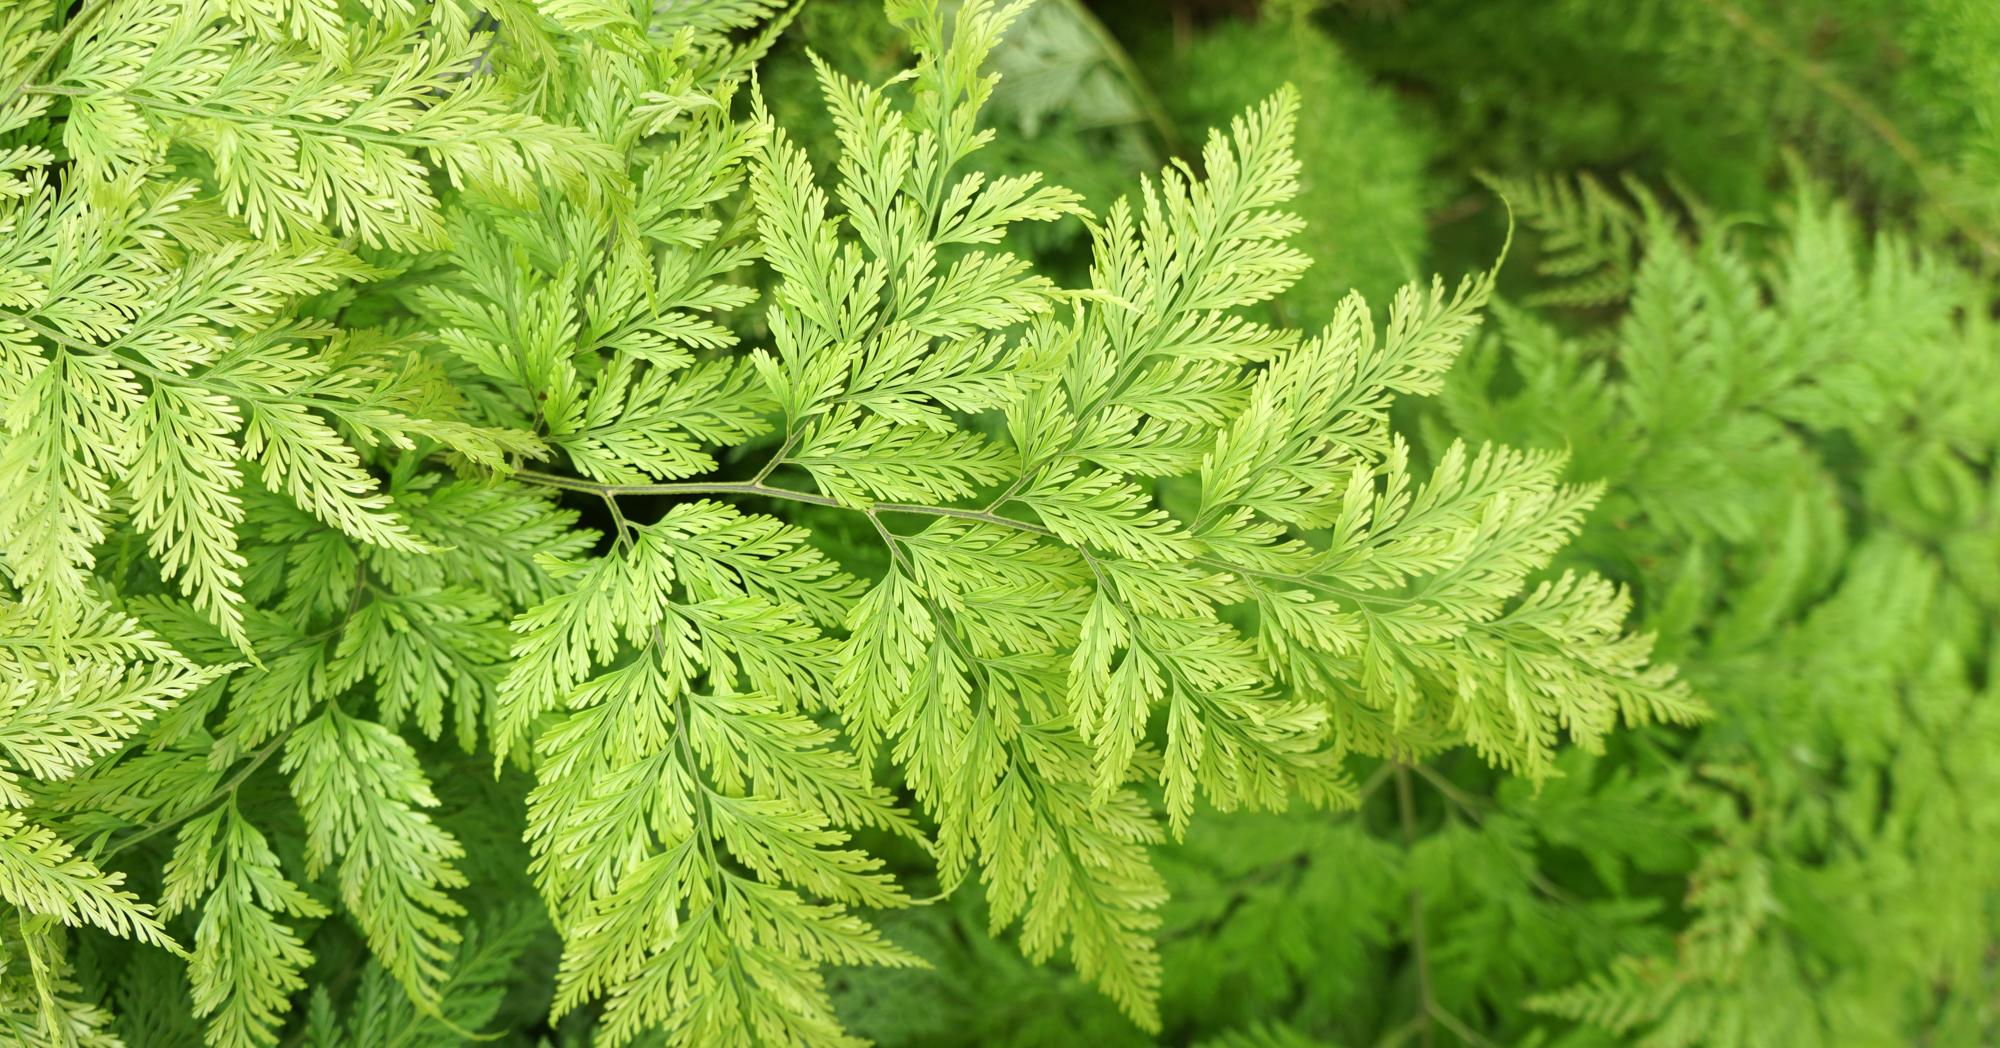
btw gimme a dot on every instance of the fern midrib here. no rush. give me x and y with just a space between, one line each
75 26
291 124
754 488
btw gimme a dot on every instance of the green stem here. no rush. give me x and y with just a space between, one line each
289 123
75 26
1455 1025
1472 807
618 519
1465 801
1863 110
1374 781
1395 1038
592 487
945 623
226 789
986 516
779 458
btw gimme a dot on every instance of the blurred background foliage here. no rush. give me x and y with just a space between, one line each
1750 292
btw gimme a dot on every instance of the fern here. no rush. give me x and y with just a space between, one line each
1792 422
1797 485
1364 204
316 320
1062 566
1888 101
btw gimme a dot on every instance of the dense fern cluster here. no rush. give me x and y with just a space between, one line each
1803 456
255 543
585 522
1795 429
1891 101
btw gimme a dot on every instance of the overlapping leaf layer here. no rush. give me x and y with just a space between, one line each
312 318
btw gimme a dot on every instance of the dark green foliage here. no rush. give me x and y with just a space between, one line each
1798 463
1362 159
1813 538
1808 505
1891 101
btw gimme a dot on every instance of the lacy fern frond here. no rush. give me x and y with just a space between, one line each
316 319
1162 459
1797 452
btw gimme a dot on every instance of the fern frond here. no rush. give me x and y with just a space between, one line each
43 875
356 784
1056 608
1589 235
245 963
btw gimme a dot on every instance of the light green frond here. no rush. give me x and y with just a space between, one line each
245 963
357 785
327 325
43 875
40 1007
427 650
303 138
